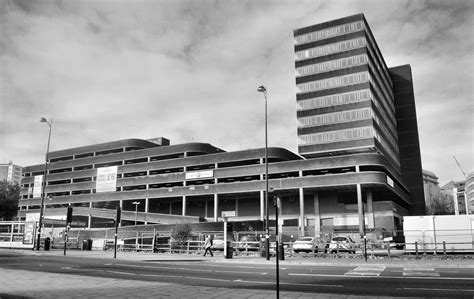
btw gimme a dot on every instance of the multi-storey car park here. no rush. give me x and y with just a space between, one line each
196 181
359 161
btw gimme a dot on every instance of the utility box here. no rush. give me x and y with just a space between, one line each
47 243
87 245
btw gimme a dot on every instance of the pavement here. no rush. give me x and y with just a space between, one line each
30 284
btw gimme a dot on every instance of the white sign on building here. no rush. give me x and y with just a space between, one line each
390 181
199 174
106 179
37 187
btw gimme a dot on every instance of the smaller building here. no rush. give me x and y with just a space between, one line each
469 191
11 173
431 187
456 191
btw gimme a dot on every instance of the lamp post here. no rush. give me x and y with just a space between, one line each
262 89
136 203
43 183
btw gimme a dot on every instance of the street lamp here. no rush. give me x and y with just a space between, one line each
262 89
43 183
136 203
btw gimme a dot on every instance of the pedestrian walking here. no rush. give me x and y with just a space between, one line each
208 245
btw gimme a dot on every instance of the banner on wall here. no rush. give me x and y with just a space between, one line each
199 174
37 186
29 233
106 179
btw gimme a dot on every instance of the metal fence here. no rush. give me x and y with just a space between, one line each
376 242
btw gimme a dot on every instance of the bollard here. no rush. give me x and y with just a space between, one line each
444 247
416 248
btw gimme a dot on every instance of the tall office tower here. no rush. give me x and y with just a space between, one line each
10 172
349 101
345 102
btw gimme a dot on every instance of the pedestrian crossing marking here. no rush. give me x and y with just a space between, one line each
424 272
366 271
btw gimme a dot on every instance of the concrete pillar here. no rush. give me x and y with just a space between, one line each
121 210
370 210
89 218
216 205
146 209
360 209
184 205
301 221
317 216
237 207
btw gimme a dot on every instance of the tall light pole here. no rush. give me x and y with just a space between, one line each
43 183
136 203
262 89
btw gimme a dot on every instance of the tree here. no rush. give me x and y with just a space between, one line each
180 235
441 204
9 198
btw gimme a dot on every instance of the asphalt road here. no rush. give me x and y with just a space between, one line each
372 280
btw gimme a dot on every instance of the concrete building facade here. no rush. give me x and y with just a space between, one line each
431 187
469 191
11 173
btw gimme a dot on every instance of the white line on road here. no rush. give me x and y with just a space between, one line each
118 272
160 275
187 269
387 277
428 289
238 272
293 284
204 278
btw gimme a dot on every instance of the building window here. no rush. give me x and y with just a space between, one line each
334 82
328 32
334 100
331 48
331 65
337 136
337 117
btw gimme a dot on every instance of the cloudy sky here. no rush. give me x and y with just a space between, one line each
188 70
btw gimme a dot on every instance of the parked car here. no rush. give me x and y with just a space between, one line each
248 242
305 244
218 242
342 243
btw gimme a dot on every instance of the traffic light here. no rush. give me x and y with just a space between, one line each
69 215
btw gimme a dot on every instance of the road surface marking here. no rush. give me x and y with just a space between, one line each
418 269
430 272
118 272
160 275
188 269
237 272
205 278
383 277
366 271
289 283
428 289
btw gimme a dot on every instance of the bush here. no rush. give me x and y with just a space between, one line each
180 235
